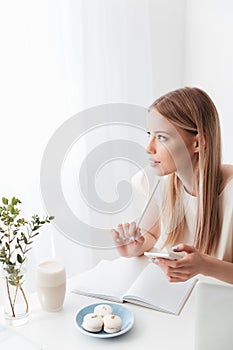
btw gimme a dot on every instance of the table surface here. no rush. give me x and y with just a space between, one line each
57 330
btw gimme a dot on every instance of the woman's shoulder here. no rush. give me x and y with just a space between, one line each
227 175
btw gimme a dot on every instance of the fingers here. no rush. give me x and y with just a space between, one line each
176 276
127 231
184 268
116 237
138 233
175 264
119 236
184 248
176 271
132 231
121 232
176 279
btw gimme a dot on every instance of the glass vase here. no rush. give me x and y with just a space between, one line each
14 294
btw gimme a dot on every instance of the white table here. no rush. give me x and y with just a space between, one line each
57 331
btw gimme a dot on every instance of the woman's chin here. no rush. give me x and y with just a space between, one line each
159 171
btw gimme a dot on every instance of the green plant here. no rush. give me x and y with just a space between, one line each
16 237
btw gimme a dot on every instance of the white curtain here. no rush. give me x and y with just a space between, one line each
60 57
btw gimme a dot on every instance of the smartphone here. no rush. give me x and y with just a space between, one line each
165 255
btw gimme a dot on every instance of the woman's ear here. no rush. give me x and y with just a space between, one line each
198 143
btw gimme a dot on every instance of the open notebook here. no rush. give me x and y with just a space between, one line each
134 280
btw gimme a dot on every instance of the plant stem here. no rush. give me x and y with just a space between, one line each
19 286
24 296
9 297
16 292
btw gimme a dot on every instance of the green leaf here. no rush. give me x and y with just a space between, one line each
15 201
15 284
19 259
4 200
35 228
12 210
17 234
35 234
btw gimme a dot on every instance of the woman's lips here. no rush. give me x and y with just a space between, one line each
154 163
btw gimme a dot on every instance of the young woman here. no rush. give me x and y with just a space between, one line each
197 190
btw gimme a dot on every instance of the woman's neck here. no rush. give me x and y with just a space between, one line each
189 182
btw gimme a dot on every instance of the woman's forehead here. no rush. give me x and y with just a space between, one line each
156 122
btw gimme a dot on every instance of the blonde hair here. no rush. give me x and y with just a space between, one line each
193 110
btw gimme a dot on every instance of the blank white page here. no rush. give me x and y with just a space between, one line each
153 288
110 277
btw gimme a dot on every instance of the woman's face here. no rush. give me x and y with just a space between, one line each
170 148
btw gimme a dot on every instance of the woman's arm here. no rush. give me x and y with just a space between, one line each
195 263
219 269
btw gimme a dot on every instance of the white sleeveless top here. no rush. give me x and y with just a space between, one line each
145 181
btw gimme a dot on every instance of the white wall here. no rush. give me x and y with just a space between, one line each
167 38
209 57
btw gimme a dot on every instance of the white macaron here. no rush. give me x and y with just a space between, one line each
92 322
112 323
103 309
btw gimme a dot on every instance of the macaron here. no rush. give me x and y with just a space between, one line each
112 323
103 309
92 323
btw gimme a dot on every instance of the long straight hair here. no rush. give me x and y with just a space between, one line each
192 110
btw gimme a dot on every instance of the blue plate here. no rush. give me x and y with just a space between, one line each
125 314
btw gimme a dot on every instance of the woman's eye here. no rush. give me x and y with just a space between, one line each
158 136
162 138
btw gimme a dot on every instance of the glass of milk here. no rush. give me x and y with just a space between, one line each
51 284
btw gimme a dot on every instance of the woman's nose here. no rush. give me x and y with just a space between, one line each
151 146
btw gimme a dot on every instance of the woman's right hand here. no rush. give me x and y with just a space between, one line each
128 239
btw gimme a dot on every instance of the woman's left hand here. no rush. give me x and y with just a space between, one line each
183 269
